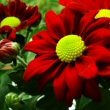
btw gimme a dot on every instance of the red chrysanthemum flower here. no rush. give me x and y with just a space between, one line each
86 5
70 54
17 15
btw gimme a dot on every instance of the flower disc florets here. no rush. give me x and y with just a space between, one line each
10 21
69 48
103 13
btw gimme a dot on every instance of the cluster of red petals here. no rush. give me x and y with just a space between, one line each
71 80
86 5
28 15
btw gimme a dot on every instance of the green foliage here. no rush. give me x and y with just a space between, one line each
104 104
3 1
85 103
4 89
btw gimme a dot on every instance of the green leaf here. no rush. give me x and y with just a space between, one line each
3 1
30 104
82 102
23 96
104 104
29 56
4 81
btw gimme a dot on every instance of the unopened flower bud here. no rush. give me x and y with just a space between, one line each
8 50
13 101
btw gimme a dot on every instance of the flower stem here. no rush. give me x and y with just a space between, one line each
28 34
21 60
28 31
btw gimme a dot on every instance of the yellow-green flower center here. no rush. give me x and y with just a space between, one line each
69 48
103 13
10 21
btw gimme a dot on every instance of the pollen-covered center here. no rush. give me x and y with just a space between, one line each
103 13
69 48
10 21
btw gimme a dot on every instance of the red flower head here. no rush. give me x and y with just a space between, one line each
17 15
70 55
86 5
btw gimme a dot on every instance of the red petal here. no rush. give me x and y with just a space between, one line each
28 12
12 7
40 47
100 23
12 36
89 4
39 66
65 2
100 36
5 29
42 43
86 20
99 54
46 36
74 84
34 17
77 6
104 4
70 20
92 89
104 70
16 8
55 25
2 11
21 7
60 87
86 67
58 68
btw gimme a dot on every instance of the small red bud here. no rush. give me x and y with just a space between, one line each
8 50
